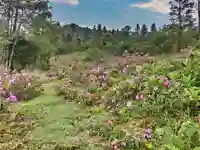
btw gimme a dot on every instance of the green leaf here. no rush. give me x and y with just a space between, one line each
190 131
197 148
168 139
159 131
171 147
149 145
178 142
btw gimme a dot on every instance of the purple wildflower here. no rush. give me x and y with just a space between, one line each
11 81
148 133
12 98
161 77
147 136
166 83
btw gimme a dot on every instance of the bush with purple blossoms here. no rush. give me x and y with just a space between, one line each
156 96
15 87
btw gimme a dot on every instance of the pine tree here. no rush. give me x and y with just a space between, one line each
94 28
104 29
144 30
113 31
153 27
137 29
181 15
99 29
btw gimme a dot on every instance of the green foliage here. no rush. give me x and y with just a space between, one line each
186 137
163 96
26 53
48 39
93 54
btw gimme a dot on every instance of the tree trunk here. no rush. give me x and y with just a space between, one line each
9 18
10 63
15 33
16 18
198 10
179 28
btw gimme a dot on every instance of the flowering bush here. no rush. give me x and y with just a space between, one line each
118 95
152 99
18 86
99 76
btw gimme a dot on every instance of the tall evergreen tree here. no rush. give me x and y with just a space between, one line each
144 30
94 28
99 28
181 15
104 29
153 27
137 29
113 31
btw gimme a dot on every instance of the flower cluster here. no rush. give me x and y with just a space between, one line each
12 84
100 76
165 80
148 133
139 97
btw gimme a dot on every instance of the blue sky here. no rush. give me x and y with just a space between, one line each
112 13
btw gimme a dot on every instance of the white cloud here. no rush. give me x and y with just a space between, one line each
155 5
89 26
161 6
71 2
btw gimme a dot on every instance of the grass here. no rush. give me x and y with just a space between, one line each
58 121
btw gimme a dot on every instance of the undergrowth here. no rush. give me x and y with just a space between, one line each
150 106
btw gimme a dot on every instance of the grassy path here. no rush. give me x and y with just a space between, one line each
59 122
